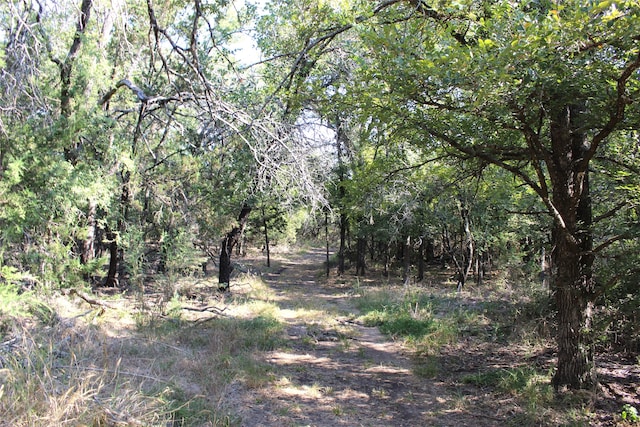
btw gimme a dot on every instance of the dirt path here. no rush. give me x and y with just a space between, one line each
333 371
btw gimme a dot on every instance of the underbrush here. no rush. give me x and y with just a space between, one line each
125 363
449 335
66 374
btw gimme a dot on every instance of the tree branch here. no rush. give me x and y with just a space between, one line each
610 213
617 115
66 66
610 241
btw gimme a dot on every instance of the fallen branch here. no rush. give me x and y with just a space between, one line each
88 299
210 309
201 321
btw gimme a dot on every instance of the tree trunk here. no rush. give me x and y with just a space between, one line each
446 247
112 273
226 249
88 245
421 250
266 237
429 250
326 236
343 242
572 258
467 249
116 254
406 261
479 269
386 260
361 248
66 68
544 269
574 295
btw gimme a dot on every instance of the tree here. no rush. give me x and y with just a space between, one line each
536 89
139 128
532 101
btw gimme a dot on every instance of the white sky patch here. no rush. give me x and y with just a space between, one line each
245 46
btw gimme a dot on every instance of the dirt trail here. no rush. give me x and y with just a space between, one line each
334 371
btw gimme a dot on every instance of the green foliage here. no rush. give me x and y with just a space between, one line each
525 383
514 380
15 302
178 251
629 413
188 410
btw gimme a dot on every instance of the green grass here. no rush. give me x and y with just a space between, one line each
262 333
426 367
411 318
524 383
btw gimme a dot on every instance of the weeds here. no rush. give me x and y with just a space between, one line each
411 318
62 378
154 369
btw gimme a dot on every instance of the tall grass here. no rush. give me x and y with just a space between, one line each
60 376
128 365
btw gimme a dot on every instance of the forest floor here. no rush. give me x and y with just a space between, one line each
332 370
289 346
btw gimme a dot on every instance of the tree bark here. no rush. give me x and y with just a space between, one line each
573 285
116 253
66 68
421 250
88 245
406 261
226 249
112 273
326 236
467 249
361 249
343 242
266 237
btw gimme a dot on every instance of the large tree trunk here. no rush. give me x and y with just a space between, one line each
228 243
572 258
573 289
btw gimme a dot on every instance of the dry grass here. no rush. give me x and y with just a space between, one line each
66 375
137 361
145 360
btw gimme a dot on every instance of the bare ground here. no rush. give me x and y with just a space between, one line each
333 371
